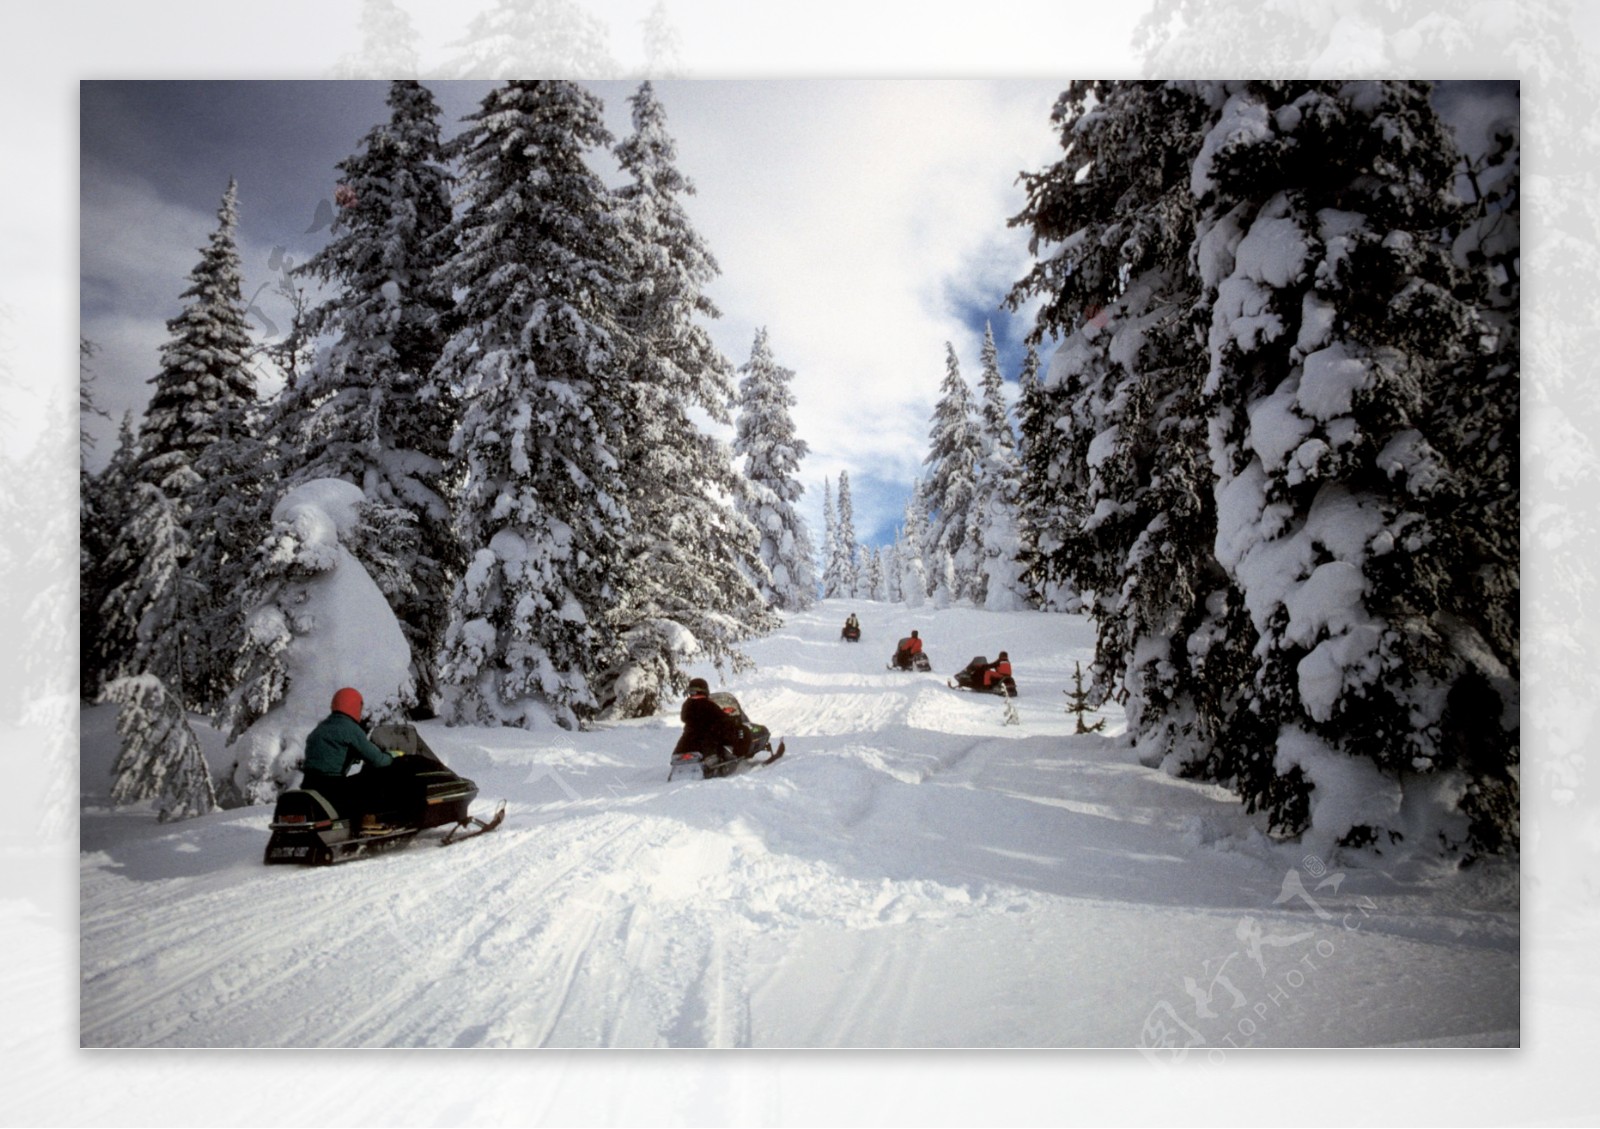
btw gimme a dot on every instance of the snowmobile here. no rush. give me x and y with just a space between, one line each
851 633
308 829
909 660
723 761
971 678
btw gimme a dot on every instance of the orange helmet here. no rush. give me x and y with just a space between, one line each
348 702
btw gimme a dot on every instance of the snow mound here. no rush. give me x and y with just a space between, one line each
339 632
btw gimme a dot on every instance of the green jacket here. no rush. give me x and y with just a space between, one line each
337 743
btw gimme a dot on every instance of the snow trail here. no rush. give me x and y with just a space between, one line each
914 873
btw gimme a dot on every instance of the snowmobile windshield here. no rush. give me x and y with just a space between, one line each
729 704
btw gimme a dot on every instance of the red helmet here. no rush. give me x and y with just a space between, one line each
348 702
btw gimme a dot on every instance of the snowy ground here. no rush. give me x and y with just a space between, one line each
915 873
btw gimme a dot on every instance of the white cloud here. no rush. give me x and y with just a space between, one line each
849 218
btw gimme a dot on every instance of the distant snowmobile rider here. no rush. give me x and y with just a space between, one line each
336 745
997 670
706 728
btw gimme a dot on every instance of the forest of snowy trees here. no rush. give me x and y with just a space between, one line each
1264 434
505 364
1277 447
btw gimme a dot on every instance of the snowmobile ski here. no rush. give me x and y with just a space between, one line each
479 827
967 679
711 768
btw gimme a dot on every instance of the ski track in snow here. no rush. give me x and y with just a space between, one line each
913 873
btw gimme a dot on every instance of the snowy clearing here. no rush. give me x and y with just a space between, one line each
915 873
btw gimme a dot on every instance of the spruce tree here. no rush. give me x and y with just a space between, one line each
204 371
152 609
369 411
695 579
160 758
872 586
195 484
765 438
228 514
892 567
104 513
995 499
913 536
537 361
953 458
843 576
830 542
1036 445
1340 326
1117 486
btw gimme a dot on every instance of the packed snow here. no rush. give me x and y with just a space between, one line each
916 872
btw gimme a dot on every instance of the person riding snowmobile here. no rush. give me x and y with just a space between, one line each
906 650
983 675
852 628
337 744
706 728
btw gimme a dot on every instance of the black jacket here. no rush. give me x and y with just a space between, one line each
706 727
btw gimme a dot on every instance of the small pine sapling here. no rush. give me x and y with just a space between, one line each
1078 702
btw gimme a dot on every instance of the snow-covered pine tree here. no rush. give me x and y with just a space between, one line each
200 412
315 619
891 568
104 511
842 576
553 38
830 541
1118 484
695 579
1339 328
1474 420
995 497
152 609
369 410
537 360
228 513
1543 45
1036 445
765 438
203 364
913 536
160 758
872 574
954 454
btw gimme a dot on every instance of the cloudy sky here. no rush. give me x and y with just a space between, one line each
863 223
